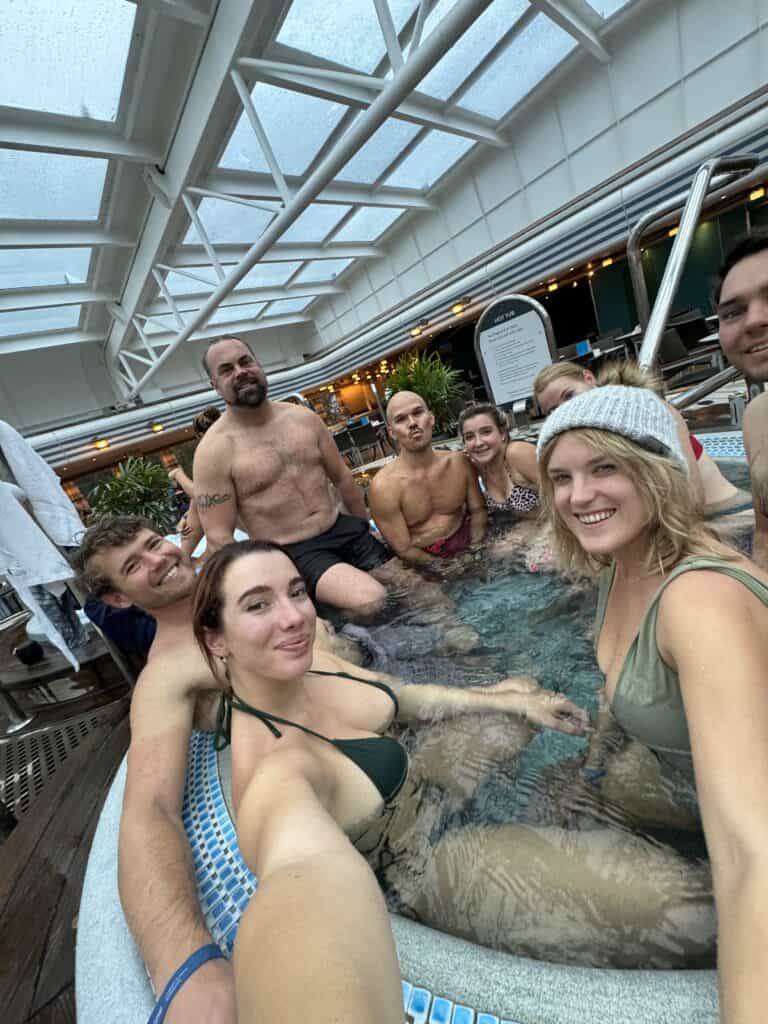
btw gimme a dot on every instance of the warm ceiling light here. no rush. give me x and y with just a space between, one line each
608 261
672 232
575 284
100 443
552 287
589 266
571 269
156 428
458 307
591 273
756 194
416 331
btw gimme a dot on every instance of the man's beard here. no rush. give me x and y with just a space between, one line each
253 394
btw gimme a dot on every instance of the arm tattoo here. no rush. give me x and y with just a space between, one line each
209 500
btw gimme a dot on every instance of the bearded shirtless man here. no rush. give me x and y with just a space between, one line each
426 503
269 465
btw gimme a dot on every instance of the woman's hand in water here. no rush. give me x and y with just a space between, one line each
523 695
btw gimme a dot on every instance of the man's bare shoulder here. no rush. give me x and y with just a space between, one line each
174 673
755 425
216 442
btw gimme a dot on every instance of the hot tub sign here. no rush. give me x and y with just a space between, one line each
513 341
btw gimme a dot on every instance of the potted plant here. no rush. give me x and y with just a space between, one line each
428 376
139 488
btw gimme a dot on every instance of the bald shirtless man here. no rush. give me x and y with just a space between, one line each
269 465
426 503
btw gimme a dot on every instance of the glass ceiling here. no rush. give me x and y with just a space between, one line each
65 57
66 61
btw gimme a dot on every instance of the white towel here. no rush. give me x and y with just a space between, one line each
27 558
51 506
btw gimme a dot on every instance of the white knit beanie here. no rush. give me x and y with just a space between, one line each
635 413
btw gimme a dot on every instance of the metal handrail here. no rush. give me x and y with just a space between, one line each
734 167
705 388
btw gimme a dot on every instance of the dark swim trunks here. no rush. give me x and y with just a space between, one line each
348 541
456 544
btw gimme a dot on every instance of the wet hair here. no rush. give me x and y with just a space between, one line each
223 337
208 601
205 419
493 412
557 371
108 532
630 375
625 372
748 245
676 529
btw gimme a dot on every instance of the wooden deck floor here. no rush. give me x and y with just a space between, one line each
43 865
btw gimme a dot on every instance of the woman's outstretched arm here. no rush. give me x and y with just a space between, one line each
720 655
315 942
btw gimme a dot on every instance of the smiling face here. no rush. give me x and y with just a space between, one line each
236 374
483 439
595 498
560 390
148 571
742 312
410 422
267 619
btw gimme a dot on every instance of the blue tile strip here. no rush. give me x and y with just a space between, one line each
225 884
726 444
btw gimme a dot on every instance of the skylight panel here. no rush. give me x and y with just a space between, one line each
296 126
40 268
50 186
315 223
476 43
283 306
322 270
65 58
162 322
263 275
370 162
229 222
368 223
433 156
38 321
234 314
345 31
539 48
180 284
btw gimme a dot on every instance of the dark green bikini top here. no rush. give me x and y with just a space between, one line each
382 758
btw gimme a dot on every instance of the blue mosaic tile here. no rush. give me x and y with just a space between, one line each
726 444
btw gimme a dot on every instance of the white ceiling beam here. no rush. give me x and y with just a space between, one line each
260 186
15 299
41 133
208 111
392 43
398 88
26 234
50 339
287 252
187 303
361 90
579 20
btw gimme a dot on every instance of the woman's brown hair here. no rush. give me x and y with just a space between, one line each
493 412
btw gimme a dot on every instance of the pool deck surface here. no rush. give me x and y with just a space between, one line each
56 774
